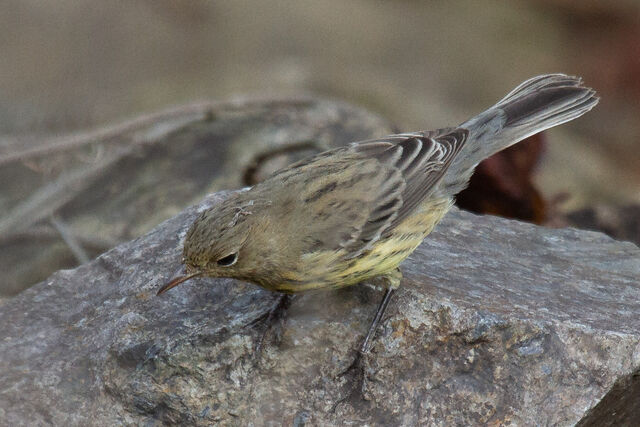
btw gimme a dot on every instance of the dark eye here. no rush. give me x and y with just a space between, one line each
228 260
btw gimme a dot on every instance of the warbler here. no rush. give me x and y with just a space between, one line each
352 214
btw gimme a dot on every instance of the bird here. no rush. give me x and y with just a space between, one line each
353 214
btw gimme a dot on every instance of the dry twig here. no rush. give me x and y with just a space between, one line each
199 110
75 247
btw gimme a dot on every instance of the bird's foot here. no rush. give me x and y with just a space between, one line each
355 371
355 366
354 374
273 321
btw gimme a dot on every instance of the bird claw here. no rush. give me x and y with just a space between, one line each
356 364
274 319
355 383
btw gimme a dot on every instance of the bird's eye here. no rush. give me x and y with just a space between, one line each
228 260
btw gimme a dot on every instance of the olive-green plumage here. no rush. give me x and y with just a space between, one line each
333 220
351 214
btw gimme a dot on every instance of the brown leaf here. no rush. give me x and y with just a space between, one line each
502 184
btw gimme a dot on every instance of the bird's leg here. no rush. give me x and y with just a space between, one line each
393 281
275 316
366 344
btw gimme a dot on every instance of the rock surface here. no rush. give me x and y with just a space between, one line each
497 322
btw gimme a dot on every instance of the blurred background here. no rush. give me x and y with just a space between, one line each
74 65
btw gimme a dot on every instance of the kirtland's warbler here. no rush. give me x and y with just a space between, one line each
352 214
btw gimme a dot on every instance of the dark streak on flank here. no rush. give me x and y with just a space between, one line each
322 191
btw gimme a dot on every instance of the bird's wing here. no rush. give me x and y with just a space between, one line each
356 194
435 152
422 160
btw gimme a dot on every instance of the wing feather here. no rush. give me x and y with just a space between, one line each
421 159
427 169
361 192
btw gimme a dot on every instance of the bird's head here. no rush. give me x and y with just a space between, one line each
218 244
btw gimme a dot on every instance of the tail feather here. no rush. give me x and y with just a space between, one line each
535 105
547 107
539 82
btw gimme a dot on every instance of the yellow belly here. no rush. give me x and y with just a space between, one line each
324 269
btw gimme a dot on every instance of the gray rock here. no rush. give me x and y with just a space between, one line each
497 322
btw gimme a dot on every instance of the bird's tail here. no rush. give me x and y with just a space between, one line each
537 104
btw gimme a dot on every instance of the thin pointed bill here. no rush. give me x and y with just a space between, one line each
176 281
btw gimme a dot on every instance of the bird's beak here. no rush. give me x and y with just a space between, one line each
177 280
